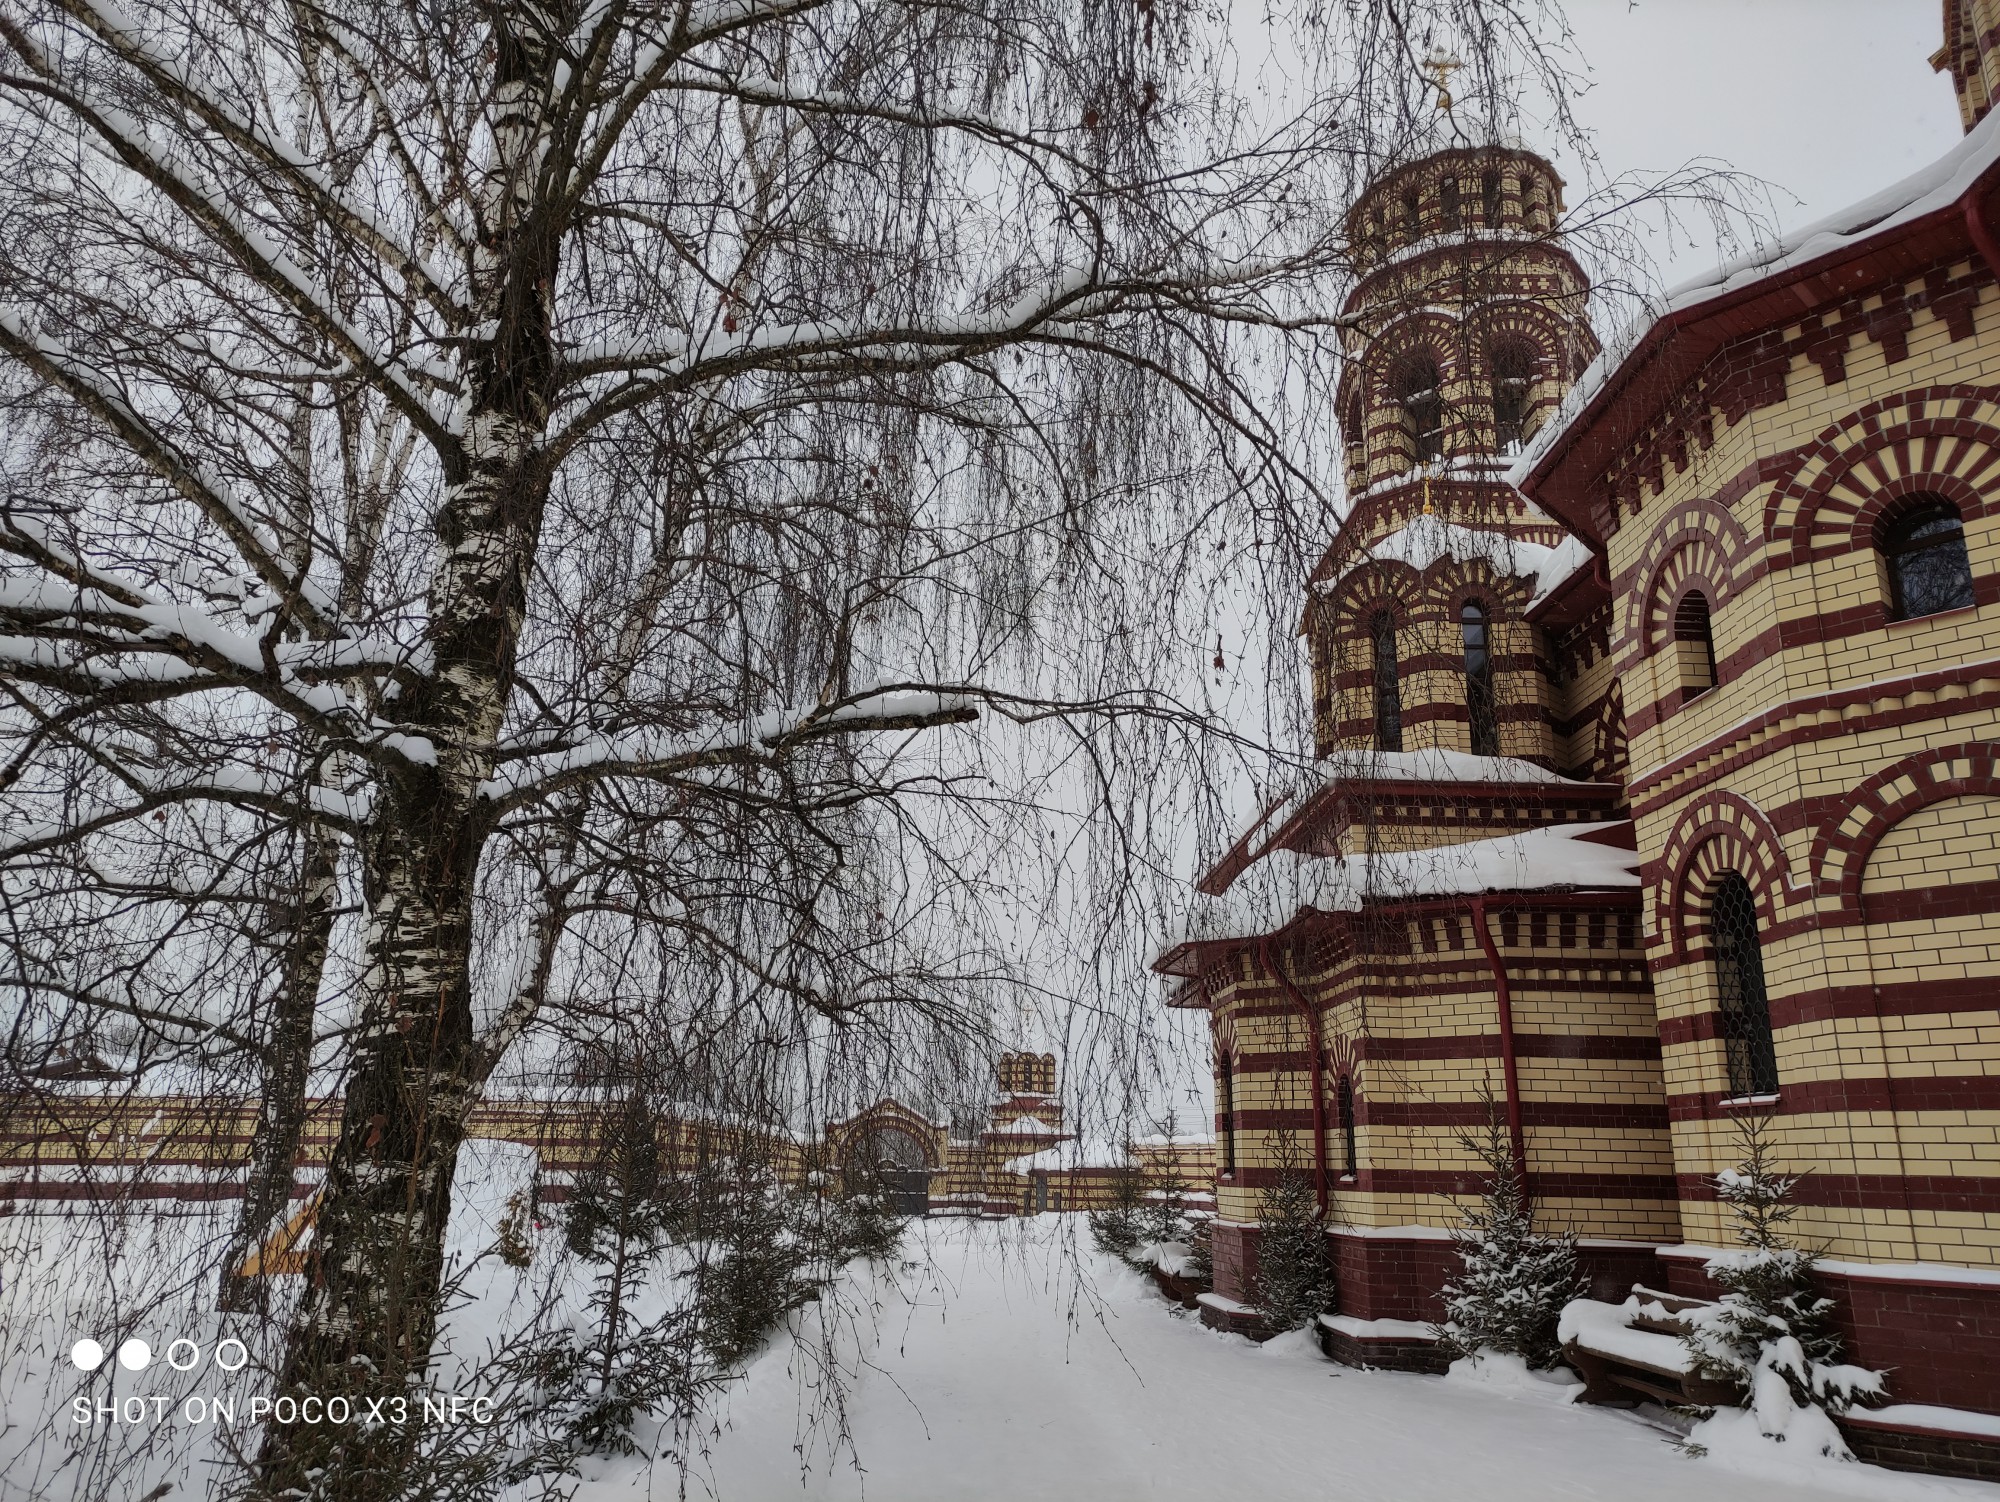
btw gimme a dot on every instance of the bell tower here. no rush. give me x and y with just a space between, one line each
1468 328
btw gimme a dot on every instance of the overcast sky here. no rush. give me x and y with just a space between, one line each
1828 100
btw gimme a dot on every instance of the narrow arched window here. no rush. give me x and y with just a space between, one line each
1513 379
1344 1099
1419 392
1413 212
1739 979
1479 705
1489 199
1929 571
1225 1109
1448 201
1388 685
1694 644
1355 434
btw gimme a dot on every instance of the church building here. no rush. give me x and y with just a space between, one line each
1657 707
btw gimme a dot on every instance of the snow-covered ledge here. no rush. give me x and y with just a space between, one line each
1943 1274
1399 1330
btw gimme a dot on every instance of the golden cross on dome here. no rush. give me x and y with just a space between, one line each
1441 68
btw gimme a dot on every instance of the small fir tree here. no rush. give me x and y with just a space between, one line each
1514 1279
1200 1264
590 1384
1771 1333
1118 1229
1294 1275
1163 1217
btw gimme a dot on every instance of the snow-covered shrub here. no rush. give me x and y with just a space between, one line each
1514 1278
1771 1332
1294 1275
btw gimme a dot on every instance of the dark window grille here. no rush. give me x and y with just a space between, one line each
1489 199
1420 391
1388 687
1344 1099
1413 213
1694 643
1449 202
1479 701
1513 379
1225 1097
1739 978
1928 567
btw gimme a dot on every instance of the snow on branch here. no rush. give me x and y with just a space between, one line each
191 191
212 495
765 737
116 30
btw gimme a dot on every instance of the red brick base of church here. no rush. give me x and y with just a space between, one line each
1934 1328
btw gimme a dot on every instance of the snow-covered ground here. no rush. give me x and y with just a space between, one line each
1013 1363
998 1360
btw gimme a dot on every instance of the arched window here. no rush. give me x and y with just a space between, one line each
1355 433
1448 202
1739 981
1924 548
1419 391
1388 686
1479 704
1489 199
1344 1099
1225 1108
1513 378
1694 645
1413 212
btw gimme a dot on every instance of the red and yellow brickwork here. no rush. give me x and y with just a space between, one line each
1701 608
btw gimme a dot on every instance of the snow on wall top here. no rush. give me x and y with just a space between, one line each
1925 191
1285 882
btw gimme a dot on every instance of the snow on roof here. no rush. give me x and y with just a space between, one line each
1936 186
1284 882
1567 559
1432 764
1086 1154
1426 539
1427 764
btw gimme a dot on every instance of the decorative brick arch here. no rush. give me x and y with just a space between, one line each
1717 833
1452 583
887 1117
1343 1061
1420 335
1609 745
1700 545
1851 833
1941 440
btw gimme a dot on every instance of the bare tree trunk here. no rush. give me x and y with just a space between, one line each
287 1064
417 1067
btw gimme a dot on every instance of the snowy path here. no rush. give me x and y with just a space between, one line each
983 1386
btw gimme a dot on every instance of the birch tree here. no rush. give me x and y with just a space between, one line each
486 478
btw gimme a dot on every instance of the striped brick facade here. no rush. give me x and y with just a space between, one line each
1737 475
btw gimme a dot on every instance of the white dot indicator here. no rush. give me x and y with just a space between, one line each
135 1355
86 1355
